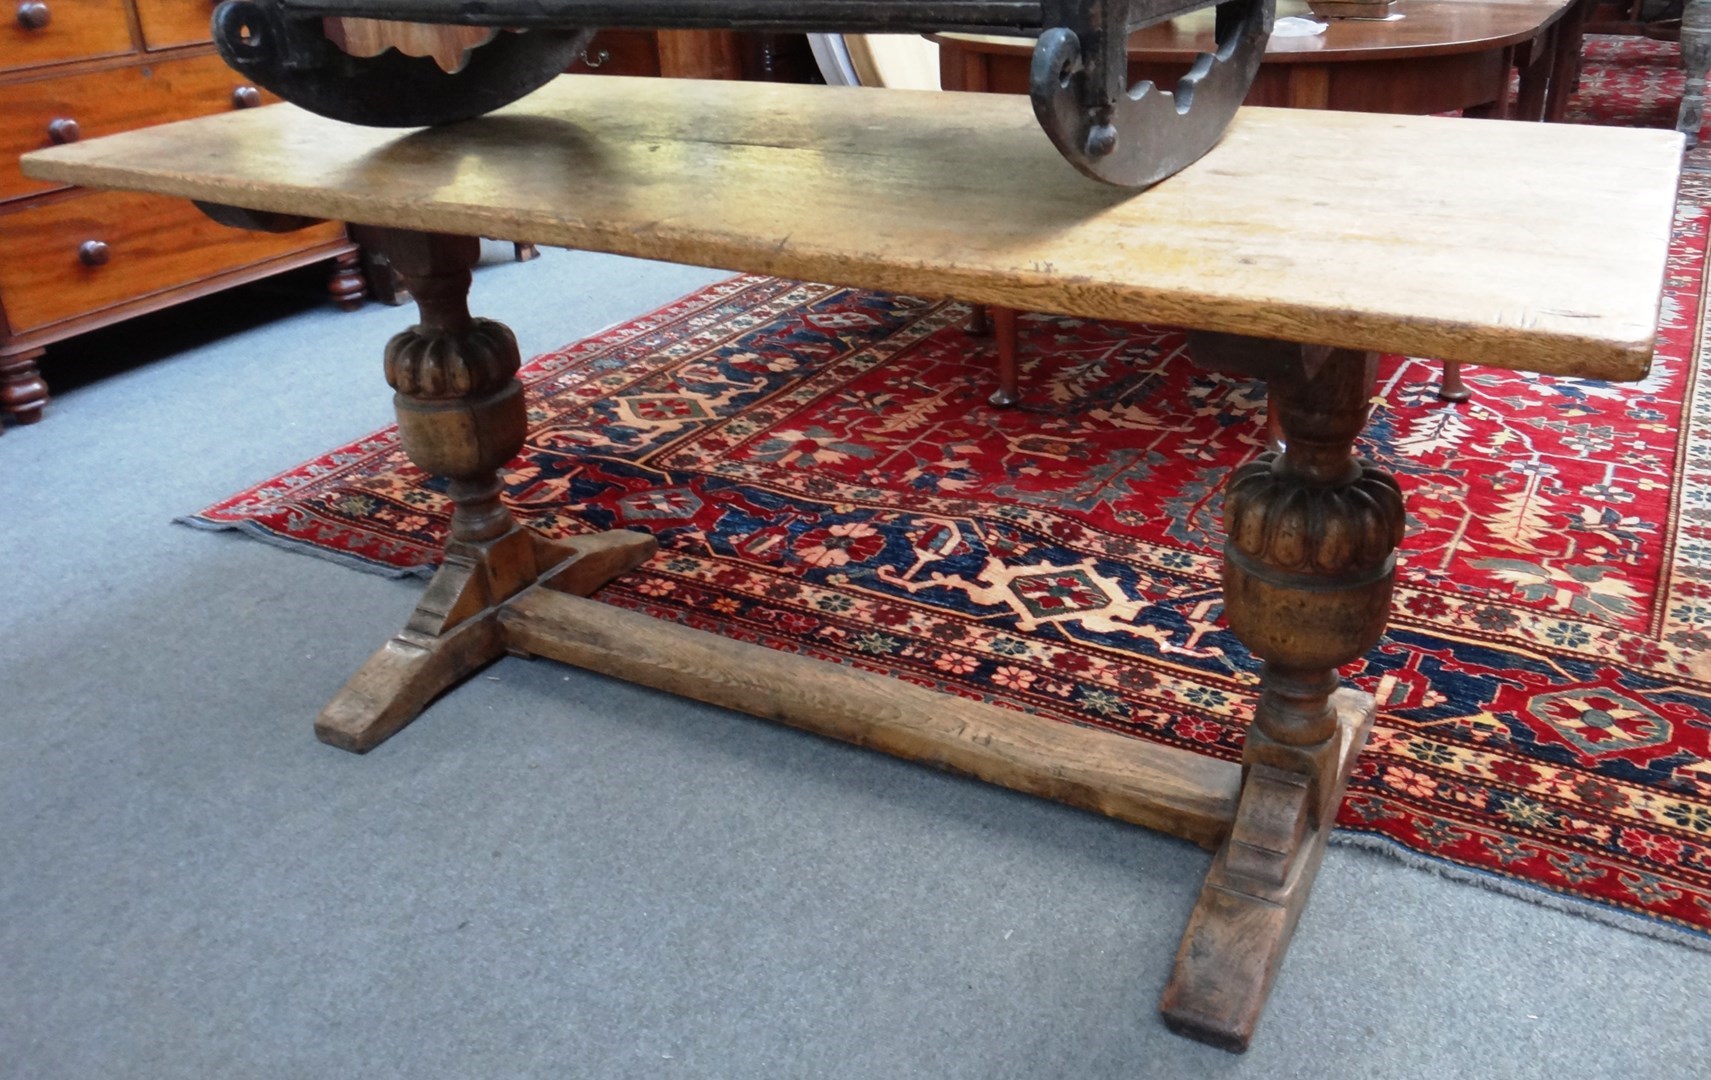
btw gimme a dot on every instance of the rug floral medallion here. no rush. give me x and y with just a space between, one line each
825 477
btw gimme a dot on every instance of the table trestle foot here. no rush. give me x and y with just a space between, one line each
1309 567
1258 885
460 415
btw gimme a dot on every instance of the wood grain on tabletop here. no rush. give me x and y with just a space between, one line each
1529 246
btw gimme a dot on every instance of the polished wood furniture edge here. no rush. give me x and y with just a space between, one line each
1570 283
79 69
1311 529
38 339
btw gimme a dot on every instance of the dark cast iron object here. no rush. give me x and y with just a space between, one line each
1123 135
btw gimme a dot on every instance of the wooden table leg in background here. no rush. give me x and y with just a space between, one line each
1001 323
1565 63
1309 565
1452 388
460 415
1534 60
1009 390
22 391
346 285
1696 61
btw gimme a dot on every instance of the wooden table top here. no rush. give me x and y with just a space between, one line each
1530 246
1427 28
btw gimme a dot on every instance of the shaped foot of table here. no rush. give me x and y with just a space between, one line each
1309 566
456 629
1257 887
460 415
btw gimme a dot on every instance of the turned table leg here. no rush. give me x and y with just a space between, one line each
22 391
1452 388
1009 390
1001 323
346 285
460 415
1565 60
1309 563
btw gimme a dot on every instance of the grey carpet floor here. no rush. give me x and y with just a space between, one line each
554 874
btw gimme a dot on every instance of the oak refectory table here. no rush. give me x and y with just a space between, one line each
1303 246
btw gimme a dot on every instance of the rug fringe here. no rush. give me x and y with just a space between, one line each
1570 905
302 547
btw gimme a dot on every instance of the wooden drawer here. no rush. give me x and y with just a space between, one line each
73 30
107 102
153 243
167 23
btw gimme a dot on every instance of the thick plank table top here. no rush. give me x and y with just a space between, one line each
1528 246
1522 245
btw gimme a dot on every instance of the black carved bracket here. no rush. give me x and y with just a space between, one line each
1129 136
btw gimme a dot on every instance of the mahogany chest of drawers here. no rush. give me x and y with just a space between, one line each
72 259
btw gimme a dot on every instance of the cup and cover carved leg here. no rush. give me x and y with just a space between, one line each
1309 567
460 415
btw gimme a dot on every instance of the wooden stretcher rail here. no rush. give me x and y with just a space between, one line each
1144 783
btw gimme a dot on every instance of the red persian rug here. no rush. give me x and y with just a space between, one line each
825 477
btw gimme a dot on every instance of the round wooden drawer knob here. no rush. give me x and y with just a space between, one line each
64 130
93 253
246 97
34 15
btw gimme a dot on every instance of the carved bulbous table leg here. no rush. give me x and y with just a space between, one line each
460 415
1309 565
